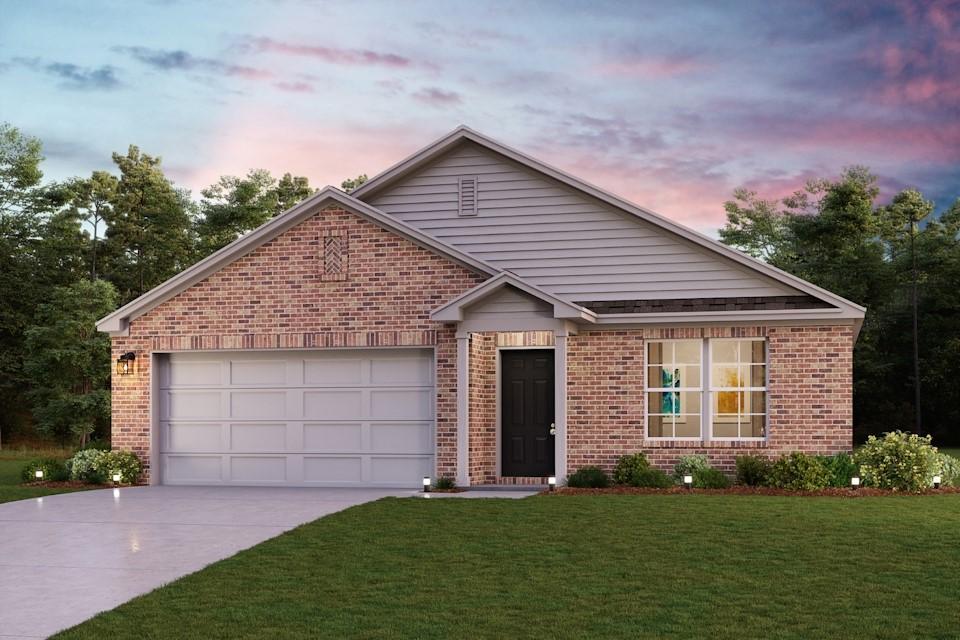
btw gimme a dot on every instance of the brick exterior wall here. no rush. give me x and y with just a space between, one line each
280 296
483 408
809 395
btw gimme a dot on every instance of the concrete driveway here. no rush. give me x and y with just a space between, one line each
64 558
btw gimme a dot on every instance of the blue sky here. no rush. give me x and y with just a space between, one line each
669 104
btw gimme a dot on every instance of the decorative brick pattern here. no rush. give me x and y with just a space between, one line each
525 339
809 395
276 298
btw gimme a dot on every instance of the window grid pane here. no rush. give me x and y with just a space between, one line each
674 382
738 388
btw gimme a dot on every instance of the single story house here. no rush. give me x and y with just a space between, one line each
475 313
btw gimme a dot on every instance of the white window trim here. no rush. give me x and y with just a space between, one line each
647 389
706 391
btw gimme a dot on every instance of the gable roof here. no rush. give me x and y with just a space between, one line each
118 321
461 134
453 310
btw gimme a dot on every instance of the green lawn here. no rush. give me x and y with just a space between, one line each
11 462
677 566
950 451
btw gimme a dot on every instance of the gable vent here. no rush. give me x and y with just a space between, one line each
469 193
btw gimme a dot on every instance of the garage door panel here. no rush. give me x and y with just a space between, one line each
191 436
258 469
333 470
401 404
404 437
196 373
346 437
312 418
258 372
333 372
333 404
195 405
401 371
183 469
398 470
258 405
258 437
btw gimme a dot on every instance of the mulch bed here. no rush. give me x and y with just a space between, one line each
66 484
862 492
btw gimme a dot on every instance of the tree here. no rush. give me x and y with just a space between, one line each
350 184
68 361
149 236
92 200
20 158
233 206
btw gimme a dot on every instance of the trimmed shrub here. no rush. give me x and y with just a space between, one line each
799 472
690 465
710 478
841 468
445 483
650 477
83 466
628 467
753 470
949 470
53 470
589 478
900 461
126 463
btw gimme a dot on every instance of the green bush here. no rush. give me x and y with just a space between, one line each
841 468
899 461
689 466
589 478
949 470
799 472
126 463
710 478
650 477
752 470
628 467
83 466
445 483
53 470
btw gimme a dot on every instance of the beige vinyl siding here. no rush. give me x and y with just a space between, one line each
560 239
509 303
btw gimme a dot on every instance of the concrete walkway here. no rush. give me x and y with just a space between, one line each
65 558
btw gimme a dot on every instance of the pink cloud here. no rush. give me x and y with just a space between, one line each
649 67
437 97
331 55
294 87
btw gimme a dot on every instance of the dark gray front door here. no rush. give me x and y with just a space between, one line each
526 413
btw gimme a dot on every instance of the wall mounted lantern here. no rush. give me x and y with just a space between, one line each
125 363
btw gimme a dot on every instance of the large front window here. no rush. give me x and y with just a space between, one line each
732 371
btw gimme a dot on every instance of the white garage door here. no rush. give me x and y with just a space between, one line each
299 418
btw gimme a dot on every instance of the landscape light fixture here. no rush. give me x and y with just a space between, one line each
552 482
688 482
936 482
426 484
125 363
116 478
855 482
39 474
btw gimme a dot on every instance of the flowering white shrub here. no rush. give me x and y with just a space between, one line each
83 466
899 460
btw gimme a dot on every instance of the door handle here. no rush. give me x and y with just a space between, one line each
553 429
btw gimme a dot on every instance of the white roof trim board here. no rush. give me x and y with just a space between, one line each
462 133
453 310
118 321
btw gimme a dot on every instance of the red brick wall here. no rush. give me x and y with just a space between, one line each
809 395
483 408
276 297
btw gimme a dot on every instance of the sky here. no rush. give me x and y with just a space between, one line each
669 104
